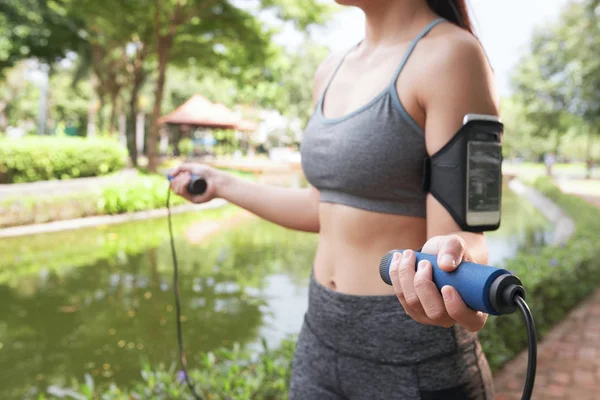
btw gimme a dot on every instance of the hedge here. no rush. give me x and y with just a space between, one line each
116 196
36 158
223 375
556 279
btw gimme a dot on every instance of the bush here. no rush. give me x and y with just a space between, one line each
140 192
145 192
37 158
555 279
222 375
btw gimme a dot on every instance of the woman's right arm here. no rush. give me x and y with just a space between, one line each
291 208
296 209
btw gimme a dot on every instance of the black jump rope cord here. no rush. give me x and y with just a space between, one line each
521 304
532 350
177 303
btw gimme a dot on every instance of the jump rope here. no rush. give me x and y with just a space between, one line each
484 288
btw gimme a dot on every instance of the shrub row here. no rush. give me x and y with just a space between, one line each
223 375
555 278
36 158
117 196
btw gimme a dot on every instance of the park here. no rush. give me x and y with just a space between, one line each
99 101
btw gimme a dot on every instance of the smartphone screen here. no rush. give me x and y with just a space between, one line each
484 182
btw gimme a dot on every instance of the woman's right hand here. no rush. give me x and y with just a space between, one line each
182 177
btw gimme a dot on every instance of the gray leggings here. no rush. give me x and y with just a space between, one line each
367 348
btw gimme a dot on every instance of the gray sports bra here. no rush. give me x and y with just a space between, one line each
372 158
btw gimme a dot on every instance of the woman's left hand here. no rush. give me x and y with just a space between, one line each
418 294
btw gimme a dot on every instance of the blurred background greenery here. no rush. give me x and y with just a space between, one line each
88 313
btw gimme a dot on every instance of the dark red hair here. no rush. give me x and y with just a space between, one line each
455 11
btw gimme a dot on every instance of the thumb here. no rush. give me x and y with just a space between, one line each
451 253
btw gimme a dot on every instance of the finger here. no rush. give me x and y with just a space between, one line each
174 172
406 275
185 167
432 245
472 320
395 278
451 252
181 184
430 297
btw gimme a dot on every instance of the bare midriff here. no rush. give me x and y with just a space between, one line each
352 243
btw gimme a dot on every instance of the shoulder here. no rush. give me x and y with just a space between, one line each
455 79
456 67
323 73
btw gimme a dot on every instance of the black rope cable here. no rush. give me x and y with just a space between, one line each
182 358
532 352
520 302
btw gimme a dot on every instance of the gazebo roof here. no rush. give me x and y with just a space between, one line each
199 111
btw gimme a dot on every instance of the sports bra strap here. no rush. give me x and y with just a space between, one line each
412 46
335 71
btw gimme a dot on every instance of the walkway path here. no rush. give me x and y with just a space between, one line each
568 360
568 357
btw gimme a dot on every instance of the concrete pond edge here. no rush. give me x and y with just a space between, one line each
564 225
89 222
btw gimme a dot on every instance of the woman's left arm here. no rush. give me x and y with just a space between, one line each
459 82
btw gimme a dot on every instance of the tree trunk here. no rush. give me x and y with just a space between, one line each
164 42
131 121
130 130
139 77
112 123
588 158
158 97
101 119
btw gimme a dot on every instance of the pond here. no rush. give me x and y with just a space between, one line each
100 301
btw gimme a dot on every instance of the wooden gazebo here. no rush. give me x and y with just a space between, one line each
199 112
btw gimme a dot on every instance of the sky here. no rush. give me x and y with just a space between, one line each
503 26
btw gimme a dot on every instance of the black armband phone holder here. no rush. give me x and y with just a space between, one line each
465 176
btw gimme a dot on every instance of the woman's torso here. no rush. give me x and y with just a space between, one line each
363 149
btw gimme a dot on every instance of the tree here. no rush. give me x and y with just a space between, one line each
224 35
36 28
558 83
120 41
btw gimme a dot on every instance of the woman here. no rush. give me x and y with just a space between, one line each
399 94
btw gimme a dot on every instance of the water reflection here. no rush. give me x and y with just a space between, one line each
61 316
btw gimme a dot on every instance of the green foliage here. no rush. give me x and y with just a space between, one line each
555 278
521 138
137 193
290 92
145 192
36 28
68 104
556 81
225 374
280 84
186 146
302 12
33 159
